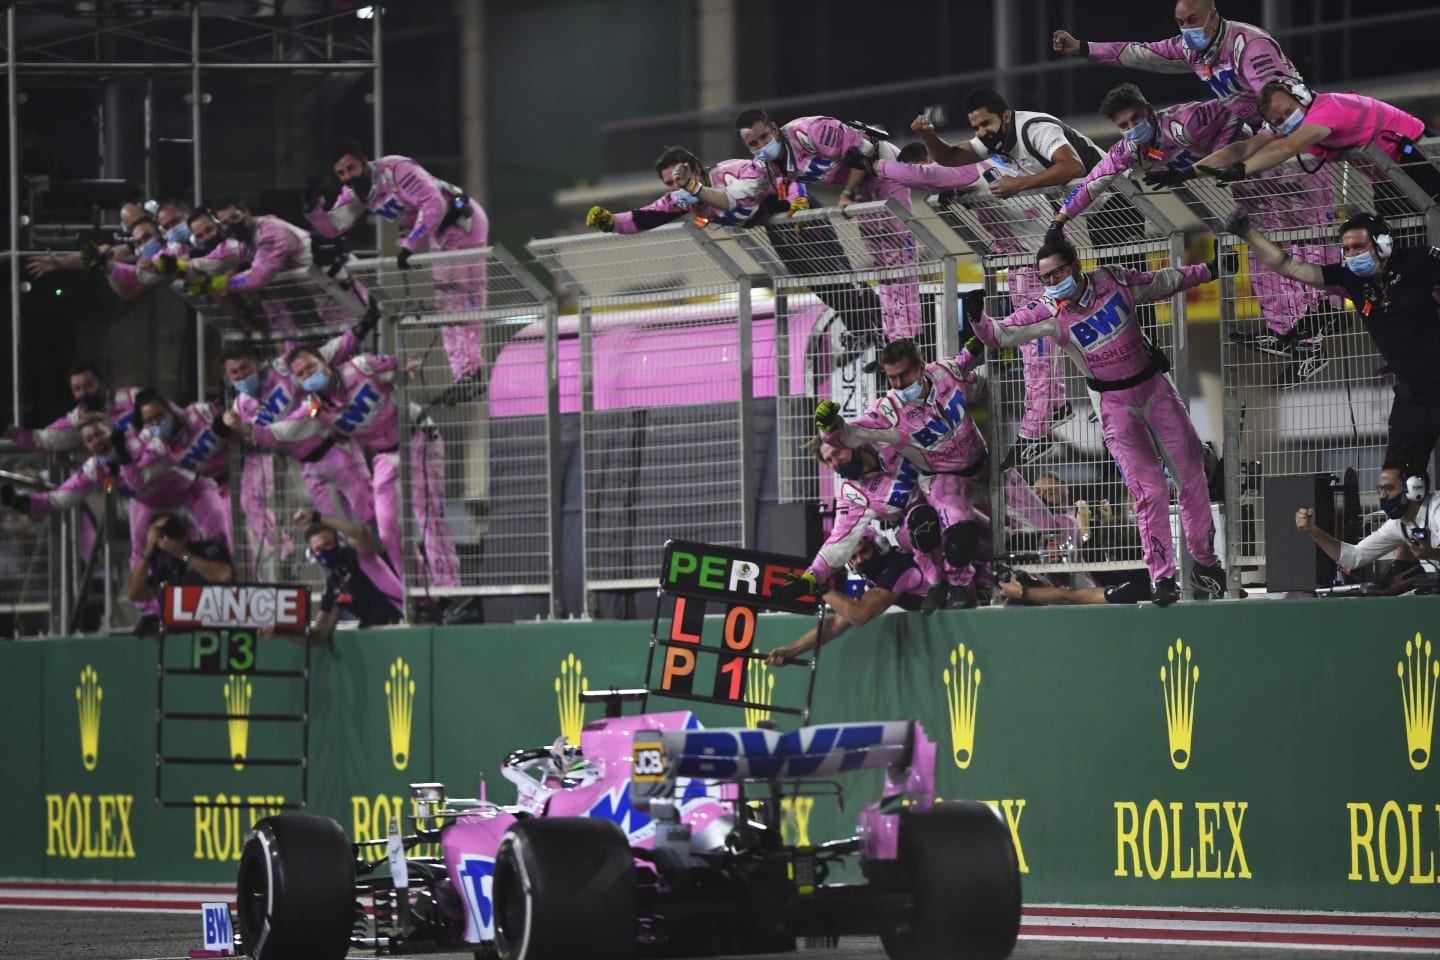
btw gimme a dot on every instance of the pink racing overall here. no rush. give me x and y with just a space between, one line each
743 181
816 145
890 495
937 434
1240 60
430 214
1142 417
363 409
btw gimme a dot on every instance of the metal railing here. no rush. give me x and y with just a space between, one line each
675 401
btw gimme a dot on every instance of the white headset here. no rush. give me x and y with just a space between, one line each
1302 94
1417 486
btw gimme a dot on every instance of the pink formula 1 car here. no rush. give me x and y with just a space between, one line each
656 837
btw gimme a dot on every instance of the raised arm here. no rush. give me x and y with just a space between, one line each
944 153
346 212
1271 255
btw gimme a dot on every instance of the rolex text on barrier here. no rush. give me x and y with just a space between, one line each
697 578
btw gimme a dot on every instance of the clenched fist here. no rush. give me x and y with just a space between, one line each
827 416
1305 520
1062 41
600 219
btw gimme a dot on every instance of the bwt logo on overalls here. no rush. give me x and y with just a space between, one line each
1223 84
277 404
938 429
203 446
358 410
903 486
391 209
1101 325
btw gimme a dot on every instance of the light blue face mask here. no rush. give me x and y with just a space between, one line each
1195 38
1063 290
316 381
152 249
249 385
769 153
913 392
1364 265
1292 122
180 233
166 429
1141 132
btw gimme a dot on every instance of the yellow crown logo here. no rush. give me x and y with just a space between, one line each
795 820
88 696
1419 676
237 704
759 688
400 697
568 687
962 693
1178 681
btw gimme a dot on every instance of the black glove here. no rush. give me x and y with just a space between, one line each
1055 233
168 264
1166 177
1238 222
367 323
794 587
329 252
1213 265
313 194
973 302
93 257
856 160
402 259
1225 174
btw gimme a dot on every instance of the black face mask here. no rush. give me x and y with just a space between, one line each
93 402
328 557
998 141
239 231
362 186
201 249
853 470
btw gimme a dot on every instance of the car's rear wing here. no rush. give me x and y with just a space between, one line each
742 753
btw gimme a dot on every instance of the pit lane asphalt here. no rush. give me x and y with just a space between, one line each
81 935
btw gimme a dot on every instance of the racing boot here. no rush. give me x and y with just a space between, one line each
1208 581
1167 591
934 598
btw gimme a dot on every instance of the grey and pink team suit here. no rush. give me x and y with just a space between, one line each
362 409
815 146
1141 416
64 432
936 434
1043 366
890 495
1239 61
428 212
334 473
744 183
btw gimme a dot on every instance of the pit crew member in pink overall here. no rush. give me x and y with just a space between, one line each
729 194
1234 60
91 396
430 213
924 419
354 399
874 486
1092 318
810 150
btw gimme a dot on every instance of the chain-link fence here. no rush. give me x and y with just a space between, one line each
666 365
1305 391
483 467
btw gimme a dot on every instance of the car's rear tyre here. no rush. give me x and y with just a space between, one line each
957 861
295 890
564 887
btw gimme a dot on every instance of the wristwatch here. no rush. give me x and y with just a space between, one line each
185 559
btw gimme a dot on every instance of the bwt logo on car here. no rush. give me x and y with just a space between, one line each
358 410
830 748
477 875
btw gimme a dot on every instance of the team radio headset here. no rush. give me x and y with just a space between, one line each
1417 490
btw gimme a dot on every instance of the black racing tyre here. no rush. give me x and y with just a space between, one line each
295 891
565 887
957 861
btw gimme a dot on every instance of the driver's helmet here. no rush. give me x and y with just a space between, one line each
567 766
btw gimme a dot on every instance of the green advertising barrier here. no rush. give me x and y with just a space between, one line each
1266 754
